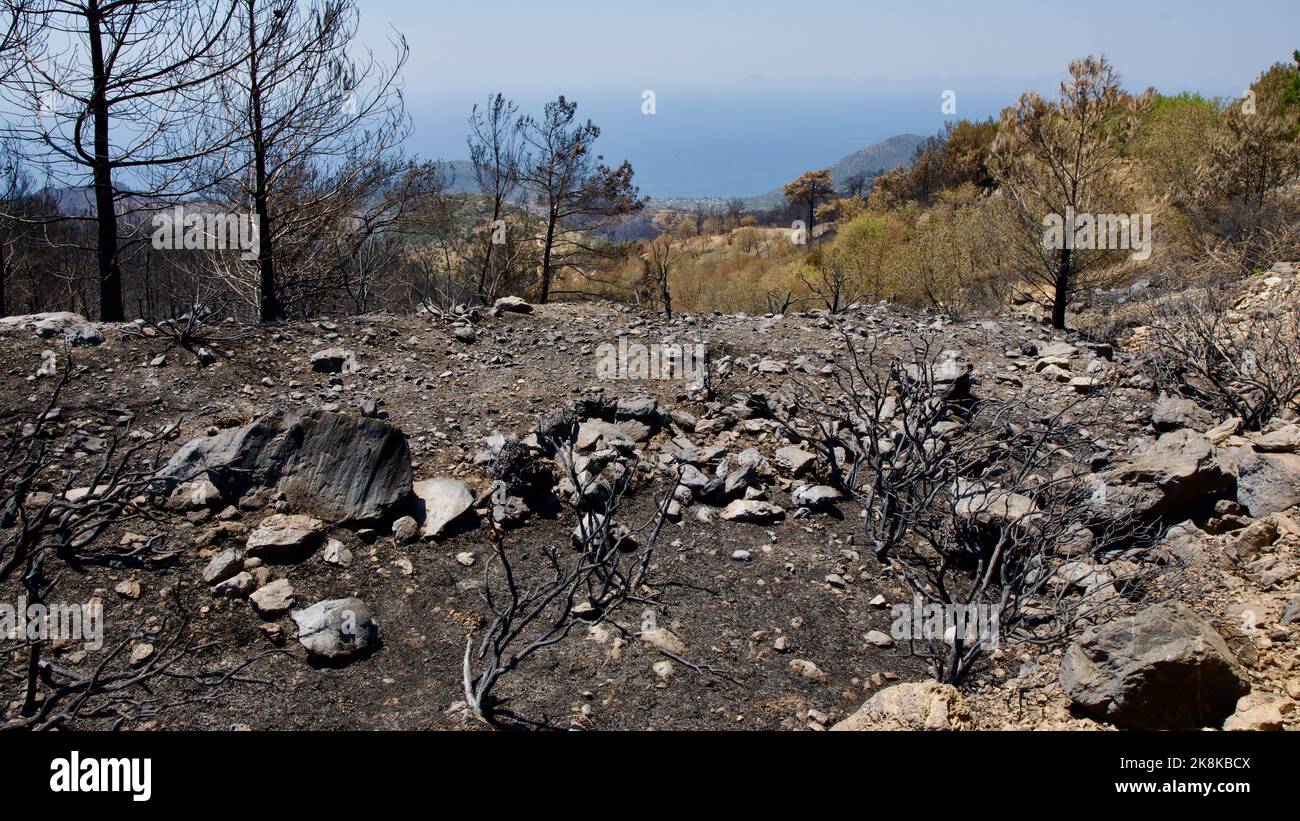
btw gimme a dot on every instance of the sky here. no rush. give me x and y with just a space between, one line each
747 93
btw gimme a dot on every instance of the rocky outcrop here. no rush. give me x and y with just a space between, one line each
72 328
343 469
1177 477
1164 668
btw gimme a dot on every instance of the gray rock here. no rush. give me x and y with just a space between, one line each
334 360
73 328
1267 483
237 586
439 502
274 599
753 510
815 496
406 530
1285 439
1172 413
641 408
222 566
336 553
1175 478
336 629
513 304
341 468
738 480
1162 669
794 461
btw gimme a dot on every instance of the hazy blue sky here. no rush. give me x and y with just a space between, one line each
806 82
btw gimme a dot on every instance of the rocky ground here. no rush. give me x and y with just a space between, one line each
344 469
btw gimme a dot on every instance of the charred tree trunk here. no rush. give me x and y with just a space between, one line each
1062 296
110 273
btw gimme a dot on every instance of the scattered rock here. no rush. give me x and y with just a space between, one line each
753 510
222 566
274 599
334 360
281 536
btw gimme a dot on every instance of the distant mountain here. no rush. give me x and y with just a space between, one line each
883 156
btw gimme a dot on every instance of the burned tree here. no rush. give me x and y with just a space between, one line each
1242 363
576 193
119 95
536 602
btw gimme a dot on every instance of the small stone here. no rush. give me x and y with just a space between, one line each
879 639
282 536
465 559
222 566
128 589
663 669
336 553
807 670
237 586
140 653
406 530
274 599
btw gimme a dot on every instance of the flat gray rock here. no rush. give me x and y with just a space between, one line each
336 629
341 468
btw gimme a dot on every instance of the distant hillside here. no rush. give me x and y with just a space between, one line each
883 156
460 177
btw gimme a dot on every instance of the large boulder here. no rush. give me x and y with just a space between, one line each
1164 668
343 469
1177 477
917 705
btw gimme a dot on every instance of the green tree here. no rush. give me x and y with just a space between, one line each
811 188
